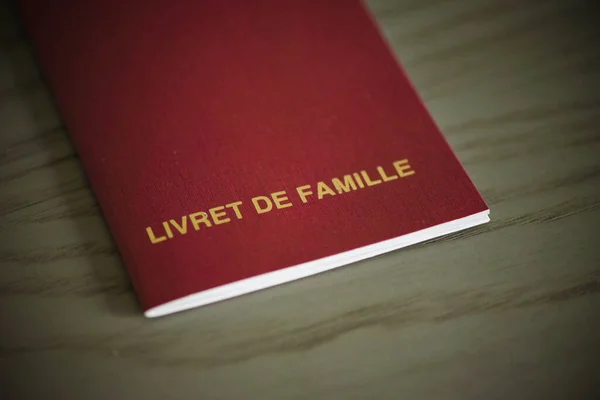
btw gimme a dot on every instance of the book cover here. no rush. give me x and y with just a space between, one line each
236 145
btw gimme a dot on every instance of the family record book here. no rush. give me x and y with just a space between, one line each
237 145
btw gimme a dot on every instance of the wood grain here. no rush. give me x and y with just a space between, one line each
509 310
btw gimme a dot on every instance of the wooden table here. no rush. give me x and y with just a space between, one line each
510 310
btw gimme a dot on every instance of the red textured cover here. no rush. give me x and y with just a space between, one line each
179 107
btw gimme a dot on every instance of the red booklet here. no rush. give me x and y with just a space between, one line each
236 145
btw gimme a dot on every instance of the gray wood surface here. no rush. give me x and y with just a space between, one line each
510 310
